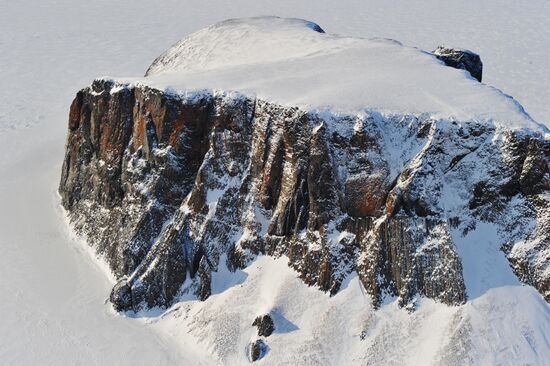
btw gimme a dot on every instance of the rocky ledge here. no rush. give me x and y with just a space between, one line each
168 186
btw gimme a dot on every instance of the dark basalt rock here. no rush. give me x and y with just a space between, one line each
257 350
265 325
166 186
461 59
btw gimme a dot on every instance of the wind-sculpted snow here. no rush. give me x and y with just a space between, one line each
288 62
237 42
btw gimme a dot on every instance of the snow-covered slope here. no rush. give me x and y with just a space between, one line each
507 325
292 63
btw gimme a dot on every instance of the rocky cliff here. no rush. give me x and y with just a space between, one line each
343 154
169 186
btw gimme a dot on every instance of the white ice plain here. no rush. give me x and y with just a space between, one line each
53 293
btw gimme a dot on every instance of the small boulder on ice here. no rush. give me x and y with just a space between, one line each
257 350
313 26
265 325
461 59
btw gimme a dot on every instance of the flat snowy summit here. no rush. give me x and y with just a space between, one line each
294 62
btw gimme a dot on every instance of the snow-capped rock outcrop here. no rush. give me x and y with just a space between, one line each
168 182
461 59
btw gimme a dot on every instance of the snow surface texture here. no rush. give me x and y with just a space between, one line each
52 294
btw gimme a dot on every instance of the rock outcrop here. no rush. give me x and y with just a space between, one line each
461 59
257 350
168 187
265 325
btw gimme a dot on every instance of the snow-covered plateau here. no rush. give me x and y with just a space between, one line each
371 204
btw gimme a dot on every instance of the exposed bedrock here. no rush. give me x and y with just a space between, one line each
461 59
265 325
168 187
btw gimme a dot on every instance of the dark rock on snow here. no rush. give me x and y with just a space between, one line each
461 59
265 325
256 350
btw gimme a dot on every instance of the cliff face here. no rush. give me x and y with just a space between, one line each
168 187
